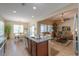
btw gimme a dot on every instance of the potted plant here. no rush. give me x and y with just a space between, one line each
7 30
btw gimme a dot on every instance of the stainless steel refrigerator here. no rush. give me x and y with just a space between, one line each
2 40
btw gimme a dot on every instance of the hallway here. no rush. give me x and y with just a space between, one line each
15 48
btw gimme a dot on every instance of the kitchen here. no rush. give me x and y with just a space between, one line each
34 38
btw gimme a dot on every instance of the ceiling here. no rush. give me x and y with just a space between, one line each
59 18
26 13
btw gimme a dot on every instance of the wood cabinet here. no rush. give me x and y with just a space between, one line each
29 46
34 48
42 49
38 49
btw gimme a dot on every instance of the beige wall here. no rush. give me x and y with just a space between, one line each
66 8
67 23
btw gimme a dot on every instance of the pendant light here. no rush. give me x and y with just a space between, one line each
62 17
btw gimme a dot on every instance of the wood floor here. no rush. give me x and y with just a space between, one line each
15 48
18 48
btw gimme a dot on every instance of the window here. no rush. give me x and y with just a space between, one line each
50 29
42 27
32 30
45 28
18 29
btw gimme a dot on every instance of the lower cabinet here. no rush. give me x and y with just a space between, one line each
2 51
34 48
38 49
30 46
42 48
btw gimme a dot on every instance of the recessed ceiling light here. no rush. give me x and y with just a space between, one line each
76 29
32 16
14 11
34 8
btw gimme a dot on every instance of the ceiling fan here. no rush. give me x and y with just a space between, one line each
63 19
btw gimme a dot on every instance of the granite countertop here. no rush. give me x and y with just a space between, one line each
38 40
61 44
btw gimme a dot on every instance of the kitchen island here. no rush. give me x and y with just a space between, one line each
37 46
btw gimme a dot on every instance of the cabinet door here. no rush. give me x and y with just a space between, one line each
30 46
42 49
34 50
2 51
